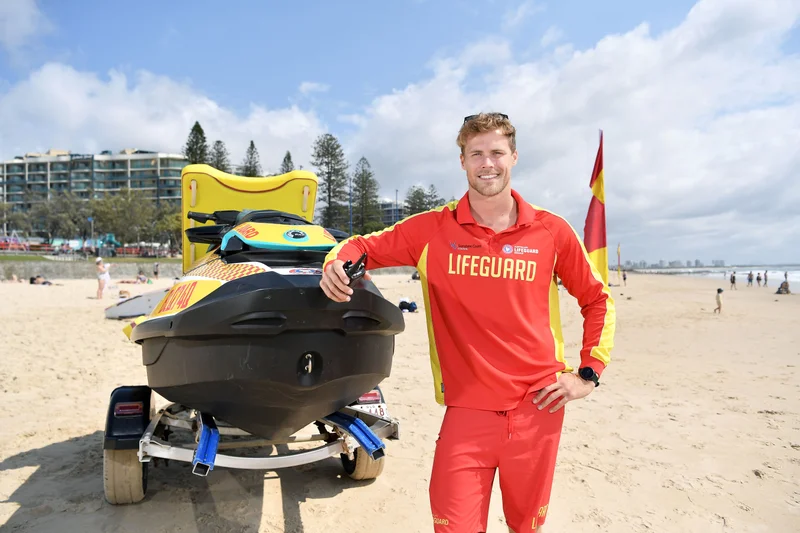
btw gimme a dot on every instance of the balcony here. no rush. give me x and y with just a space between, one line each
173 163
144 174
143 163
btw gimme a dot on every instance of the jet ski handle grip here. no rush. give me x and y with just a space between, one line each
356 271
201 217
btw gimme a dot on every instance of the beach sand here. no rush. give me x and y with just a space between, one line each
695 428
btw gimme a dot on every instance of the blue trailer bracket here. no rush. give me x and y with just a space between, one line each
370 443
206 453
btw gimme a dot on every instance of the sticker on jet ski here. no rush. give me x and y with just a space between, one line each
184 294
299 271
226 272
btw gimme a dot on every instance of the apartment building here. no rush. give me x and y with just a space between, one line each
36 177
392 211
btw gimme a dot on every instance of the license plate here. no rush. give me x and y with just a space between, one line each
375 409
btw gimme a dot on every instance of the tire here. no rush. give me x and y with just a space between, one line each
124 477
363 467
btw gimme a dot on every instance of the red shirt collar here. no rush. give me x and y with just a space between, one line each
525 213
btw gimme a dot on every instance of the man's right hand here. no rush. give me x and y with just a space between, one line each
335 283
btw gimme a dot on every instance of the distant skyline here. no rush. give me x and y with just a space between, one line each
699 101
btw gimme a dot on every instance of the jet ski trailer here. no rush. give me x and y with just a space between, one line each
138 435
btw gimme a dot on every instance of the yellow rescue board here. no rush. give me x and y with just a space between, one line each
205 189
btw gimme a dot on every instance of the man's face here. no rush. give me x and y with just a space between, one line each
488 159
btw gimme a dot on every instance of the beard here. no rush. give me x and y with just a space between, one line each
489 188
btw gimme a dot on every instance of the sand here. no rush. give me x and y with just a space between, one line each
695 428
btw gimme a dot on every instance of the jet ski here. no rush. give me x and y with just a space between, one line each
246 334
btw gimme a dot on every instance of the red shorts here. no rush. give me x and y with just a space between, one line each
522 443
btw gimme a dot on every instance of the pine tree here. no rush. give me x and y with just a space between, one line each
366 203
432 197
196 148
287 165
416 200
220 158
328 158
251 165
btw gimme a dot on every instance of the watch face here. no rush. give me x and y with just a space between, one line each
587 373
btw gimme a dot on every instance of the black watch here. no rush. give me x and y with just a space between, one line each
589 374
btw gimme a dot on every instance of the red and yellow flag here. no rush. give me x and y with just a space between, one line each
594 230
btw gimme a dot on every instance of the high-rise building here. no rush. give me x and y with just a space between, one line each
35 177
392 212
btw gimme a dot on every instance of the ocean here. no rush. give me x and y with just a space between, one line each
775 273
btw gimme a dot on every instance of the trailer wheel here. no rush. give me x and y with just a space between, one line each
363 467
124 477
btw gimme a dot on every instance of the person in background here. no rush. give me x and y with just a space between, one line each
765 278
719 302
625 278
733 280
103 277
155 270
758 279
750 279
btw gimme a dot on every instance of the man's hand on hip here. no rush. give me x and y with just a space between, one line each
335 283
568 387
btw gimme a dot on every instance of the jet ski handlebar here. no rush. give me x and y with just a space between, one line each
201 217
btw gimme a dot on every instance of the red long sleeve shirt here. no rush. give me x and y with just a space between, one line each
491 299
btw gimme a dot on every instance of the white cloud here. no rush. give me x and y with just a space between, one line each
59 107
308 87
702 125
20 20
528 8
552 35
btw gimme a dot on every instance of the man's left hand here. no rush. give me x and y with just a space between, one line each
568 387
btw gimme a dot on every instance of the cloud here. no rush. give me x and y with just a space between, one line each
60 107
528 8
702 125
552 35
20 21
308 87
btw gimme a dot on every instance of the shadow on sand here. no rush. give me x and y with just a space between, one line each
62 491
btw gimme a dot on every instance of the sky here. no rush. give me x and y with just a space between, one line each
699 102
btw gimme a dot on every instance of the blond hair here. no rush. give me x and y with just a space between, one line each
484 123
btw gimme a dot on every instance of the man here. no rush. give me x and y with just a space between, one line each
488 265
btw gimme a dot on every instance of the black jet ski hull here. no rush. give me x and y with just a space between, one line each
271 354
